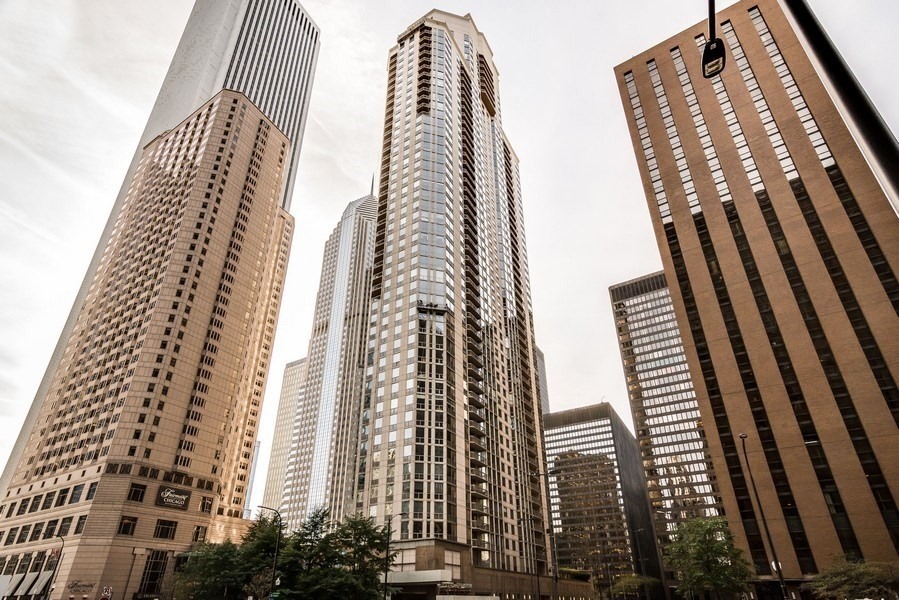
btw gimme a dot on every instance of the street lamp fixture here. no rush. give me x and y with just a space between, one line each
275 579
777 566
713 55
389 520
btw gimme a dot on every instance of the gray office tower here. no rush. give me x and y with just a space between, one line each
265 49
679 473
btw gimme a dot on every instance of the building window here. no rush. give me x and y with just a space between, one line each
48 500
11 565
23 535
64 526
137 492
79 525
62 497
154 572
199 534
127 525
38 563
23 564
76 493
206 504
165 529
92 491
36 532
51 529
11 536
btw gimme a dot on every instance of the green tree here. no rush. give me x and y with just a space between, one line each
362 547
257 555
633 584
855 579
703 555
310 558
321 560
212 573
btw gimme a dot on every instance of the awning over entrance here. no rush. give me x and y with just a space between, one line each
25 585
4 581
37 588
13 584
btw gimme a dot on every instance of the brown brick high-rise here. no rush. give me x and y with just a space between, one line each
781 250
144 442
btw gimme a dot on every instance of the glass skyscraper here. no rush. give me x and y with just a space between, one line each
325 423
599 509
680 477
285 439
451 445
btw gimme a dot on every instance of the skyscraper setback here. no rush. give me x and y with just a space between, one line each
450 445
781 251
141 437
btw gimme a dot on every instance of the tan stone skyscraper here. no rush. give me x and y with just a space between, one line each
266 49
781 250
451 443
143 445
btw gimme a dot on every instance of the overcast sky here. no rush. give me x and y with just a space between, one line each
78 79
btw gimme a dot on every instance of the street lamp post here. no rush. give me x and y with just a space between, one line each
387 549
56 566
777 566
271 589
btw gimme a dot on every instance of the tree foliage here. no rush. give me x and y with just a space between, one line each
633 584
703 555
321 560
211 572
855 579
